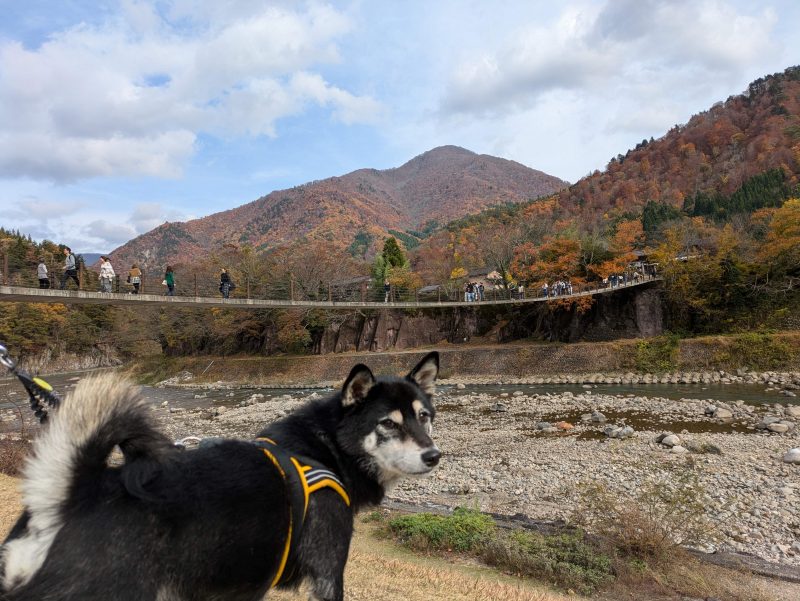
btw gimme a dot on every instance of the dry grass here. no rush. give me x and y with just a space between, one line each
10 503
12 455
374 577
380 571
377 571
14 445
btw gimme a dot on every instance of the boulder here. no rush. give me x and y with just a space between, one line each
598 418
671 440
792 456
766 421
618 431
722 413
778 427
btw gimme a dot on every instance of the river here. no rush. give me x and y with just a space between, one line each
11 392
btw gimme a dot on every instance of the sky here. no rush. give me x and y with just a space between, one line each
116 116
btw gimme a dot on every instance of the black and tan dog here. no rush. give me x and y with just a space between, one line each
226 521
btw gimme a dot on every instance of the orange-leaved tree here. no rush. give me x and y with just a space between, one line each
628 237
781 248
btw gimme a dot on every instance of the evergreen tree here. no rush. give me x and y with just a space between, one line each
393 255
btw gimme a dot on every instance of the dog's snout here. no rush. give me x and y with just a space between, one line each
431 457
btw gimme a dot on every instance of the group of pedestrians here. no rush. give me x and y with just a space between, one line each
69 271
473 292
623 279
557 288
107 275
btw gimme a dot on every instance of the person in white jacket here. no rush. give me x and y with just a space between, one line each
106 274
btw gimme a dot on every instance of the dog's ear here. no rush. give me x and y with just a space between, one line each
357 385
424 374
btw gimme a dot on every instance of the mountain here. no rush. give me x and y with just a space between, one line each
715 153
436 186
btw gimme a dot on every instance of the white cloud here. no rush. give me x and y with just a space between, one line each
130 97
149 215
112 234
41 210
623 44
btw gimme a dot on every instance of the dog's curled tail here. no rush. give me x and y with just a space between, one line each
70 455
102 412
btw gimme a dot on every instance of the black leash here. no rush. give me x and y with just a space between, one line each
41 394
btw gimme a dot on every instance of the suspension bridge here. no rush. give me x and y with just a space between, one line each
248 300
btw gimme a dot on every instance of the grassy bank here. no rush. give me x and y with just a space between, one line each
611 566
380 570
778 351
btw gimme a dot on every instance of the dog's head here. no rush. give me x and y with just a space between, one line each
388 421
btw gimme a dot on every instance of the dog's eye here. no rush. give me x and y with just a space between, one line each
388 423
424 417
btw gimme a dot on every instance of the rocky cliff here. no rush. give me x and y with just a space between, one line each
631 313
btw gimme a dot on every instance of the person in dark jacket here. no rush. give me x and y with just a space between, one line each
169 278
225 283
70 269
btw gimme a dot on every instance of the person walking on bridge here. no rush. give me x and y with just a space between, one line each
169 281
135 278
107 274
41 273
225 284
70 269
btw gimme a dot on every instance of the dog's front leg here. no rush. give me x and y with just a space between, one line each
325 545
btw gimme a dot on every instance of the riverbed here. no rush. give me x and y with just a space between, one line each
531 449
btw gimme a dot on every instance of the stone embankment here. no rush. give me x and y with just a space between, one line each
522 452
787 382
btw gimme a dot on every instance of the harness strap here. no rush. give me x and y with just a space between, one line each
303 477
40 393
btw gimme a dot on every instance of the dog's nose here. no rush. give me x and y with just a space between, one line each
431 457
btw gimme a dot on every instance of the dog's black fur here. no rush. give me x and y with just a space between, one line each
210 523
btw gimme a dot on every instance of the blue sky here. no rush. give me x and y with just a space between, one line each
118 116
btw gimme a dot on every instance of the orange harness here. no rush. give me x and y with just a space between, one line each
302 478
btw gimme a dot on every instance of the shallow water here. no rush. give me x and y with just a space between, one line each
11 392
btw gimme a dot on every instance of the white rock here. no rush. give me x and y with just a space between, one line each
778 427
671 440
678 449
792 456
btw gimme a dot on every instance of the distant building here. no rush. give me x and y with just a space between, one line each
490 278
352 288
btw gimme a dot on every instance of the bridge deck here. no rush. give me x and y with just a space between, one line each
36 295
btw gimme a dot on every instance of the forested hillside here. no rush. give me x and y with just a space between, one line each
714 205
355 211
716 152
709 202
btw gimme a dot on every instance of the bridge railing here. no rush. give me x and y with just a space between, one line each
206 283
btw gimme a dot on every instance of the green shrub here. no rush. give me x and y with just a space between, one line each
462 531
657 355
759 351
566 560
